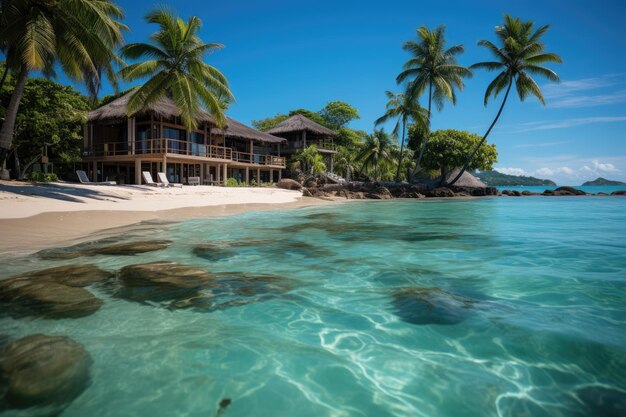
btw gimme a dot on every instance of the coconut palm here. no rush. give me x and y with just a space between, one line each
311 160
79 35
519 57
433 68
376 153
405 109
174 65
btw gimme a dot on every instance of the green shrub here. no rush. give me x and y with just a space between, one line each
232 182
42 177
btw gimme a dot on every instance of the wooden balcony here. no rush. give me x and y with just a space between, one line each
175 147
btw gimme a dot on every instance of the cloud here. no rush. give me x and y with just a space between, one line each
590 100
555 171
584 92
511 171
603 167
566 123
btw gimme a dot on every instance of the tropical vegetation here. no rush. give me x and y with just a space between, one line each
175 67
519 57
432 68
79 36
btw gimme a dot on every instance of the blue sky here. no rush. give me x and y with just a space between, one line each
282 55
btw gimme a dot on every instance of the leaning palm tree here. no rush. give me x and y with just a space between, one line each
376 153
520 55
432 67
81 36
405 109
175 68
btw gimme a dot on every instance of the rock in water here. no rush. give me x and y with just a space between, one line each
40 369
423 305
131 248
162 281
72 275
213 251
47 299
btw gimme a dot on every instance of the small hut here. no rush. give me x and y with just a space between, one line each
301 132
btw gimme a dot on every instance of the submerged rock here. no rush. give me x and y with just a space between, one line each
101 248
213 251
47 299
53 292
40 369
426 305
602 401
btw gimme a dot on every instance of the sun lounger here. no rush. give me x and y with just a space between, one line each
84 179
147 178
193 180
163 180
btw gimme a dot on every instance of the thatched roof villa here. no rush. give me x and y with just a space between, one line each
119 147
300 132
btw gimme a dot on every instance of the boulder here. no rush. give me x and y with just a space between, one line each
41 369
568 191
314 192
72 275
101 248
425 305
289 184
379 193
548 192
442 192
162 281
310 183
214 251
619 192
47 299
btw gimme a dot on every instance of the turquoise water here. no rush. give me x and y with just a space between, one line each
607 189
521 312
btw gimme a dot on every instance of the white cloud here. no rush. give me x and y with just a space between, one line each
590 100
566 123
511 171
556 171
604 167
568 93
570 87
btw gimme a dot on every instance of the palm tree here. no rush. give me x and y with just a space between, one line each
521 55
406 110
79 35
434 67
376 153
175 67
312 160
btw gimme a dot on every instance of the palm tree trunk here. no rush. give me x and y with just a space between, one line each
423 147
473 154
4 76
6 133
401 150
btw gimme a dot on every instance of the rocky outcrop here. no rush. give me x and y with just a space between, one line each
619 192
563 191
100 248
53 293
41 370
289 184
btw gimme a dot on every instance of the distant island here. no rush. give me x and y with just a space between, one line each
495 178
603 181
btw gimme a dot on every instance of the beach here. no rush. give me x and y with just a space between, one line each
34 216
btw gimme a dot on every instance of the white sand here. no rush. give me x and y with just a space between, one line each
19 200
33 217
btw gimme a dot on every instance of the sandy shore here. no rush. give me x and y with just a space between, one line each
38 216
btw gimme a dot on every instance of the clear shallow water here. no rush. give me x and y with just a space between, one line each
528 317
595 189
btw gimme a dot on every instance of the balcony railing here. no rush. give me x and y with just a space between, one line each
180 147
322 144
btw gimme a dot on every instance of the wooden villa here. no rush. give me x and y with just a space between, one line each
300 132
118 147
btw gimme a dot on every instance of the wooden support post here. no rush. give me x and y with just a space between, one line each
138 171
251 151
271 175
95 171
258 175
304 139
280 174
247 177
164 165
225 176
332 163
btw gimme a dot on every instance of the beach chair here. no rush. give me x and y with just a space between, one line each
147 178
84 179
163 180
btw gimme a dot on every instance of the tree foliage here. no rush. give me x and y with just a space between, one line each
49 113
174 65
337 114
311 160
376 156
448 149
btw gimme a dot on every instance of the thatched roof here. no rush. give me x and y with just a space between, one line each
238 130
466 180
298 123
163 107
